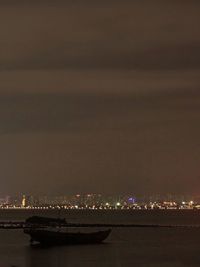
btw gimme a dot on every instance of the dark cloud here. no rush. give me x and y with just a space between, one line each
100 141
131 35
99 96
20 113
86 142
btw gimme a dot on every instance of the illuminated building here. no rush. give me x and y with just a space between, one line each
24 201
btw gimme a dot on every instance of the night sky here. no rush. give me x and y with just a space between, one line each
99 96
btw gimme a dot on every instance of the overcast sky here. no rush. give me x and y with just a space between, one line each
99 96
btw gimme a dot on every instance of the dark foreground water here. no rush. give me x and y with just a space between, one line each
170 247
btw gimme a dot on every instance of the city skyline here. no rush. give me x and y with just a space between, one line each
99 202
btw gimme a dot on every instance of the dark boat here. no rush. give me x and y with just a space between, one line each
49 237
44 221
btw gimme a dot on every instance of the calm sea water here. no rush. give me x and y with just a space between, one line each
139 247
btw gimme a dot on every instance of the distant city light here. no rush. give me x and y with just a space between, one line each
131 199
98 202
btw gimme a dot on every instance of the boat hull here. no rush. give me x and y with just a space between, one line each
47 237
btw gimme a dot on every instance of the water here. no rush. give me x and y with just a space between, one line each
140 247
